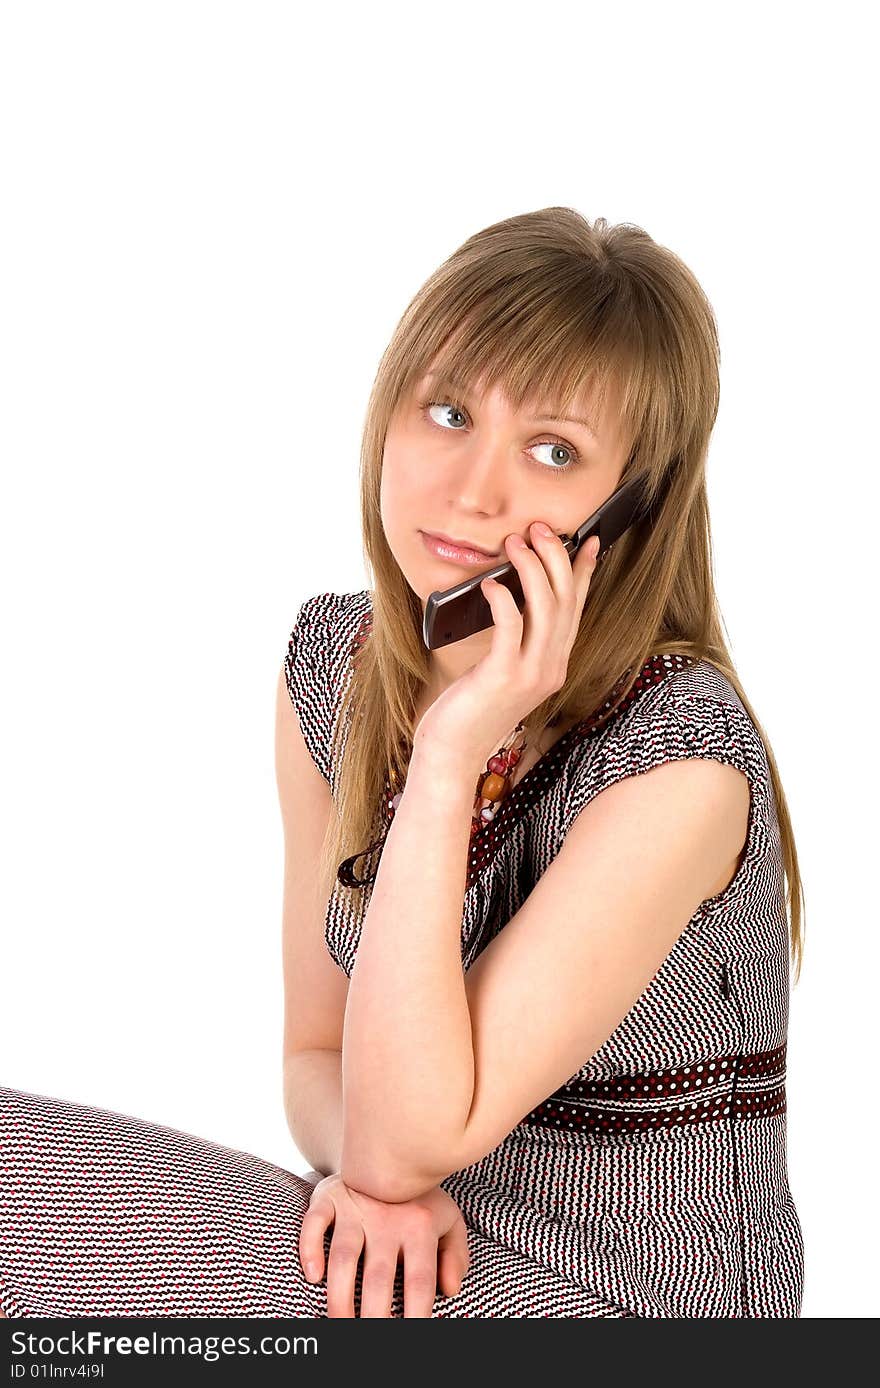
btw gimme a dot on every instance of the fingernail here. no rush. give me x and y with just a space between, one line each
593 546
312 1272
543 529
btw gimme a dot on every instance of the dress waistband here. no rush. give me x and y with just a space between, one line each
719 1089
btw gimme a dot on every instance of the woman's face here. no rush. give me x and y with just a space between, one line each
478 474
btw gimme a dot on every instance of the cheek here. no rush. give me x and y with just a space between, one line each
403 487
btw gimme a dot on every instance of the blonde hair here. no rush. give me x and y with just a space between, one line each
546 303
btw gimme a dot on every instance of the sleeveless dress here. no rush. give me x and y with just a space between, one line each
653 1183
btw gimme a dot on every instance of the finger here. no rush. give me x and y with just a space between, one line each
449 1272
377 1282
584 566
557 562
569 577
419 1278
342 1266
454 1256
507 618
583 569
316 1220
574 577
457 1238
541 606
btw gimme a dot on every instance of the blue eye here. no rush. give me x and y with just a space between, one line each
427 405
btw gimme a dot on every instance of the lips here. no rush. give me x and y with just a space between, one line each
462 544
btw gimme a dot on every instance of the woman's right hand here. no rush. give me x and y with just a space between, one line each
427 1233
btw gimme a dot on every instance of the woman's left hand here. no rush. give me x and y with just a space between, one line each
528 658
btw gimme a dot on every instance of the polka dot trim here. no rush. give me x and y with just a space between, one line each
722 1088
527 791
523 794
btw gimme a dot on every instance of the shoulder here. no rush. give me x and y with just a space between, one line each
325 630
320 645
704 711
694 712
325 619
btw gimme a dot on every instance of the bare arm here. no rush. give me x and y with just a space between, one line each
408 1056
440 1066
313 1105
315 988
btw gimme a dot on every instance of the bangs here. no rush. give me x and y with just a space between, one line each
544 359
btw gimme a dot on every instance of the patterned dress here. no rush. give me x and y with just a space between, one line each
653 1183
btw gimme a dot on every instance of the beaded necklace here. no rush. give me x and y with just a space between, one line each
493 785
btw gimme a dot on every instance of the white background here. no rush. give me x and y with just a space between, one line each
213 216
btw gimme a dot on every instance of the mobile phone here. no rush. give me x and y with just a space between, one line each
451 614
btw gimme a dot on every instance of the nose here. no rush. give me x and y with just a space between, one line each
481 480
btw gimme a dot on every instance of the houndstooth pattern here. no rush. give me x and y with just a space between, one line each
106 1214
103 1213
693 1221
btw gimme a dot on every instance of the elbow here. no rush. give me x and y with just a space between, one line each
381 1186
392 1188
384 1177
364 1177
363 1167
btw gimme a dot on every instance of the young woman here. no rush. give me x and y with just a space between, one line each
535 908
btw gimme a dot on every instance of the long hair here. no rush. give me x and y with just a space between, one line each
545 303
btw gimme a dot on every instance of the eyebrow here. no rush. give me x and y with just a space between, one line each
535 418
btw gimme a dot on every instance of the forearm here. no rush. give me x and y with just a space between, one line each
408 1060
313 1106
